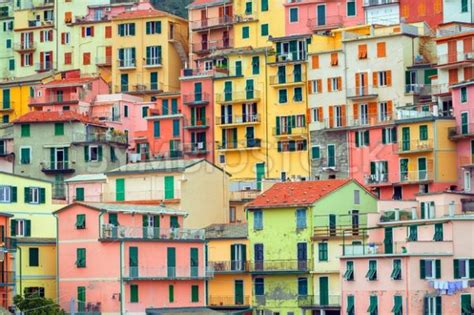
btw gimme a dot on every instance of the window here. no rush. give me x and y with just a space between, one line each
145 111
293 15
25 155
382 78
232 215
108 32
397 270
282 96
323 251
8 194
349 274
94 153
264 5
245 32
334 59
134 293
176 127
258 220
195 293
432 305
464 94
127 29
430 269
334 84
35 195
81 258
25 130
397 305
300 219
34 292
113 155
428 210
466 307
255 65
298 94
372 272
264 30
316 86
381 50
153 27
464 6
153 55
438 234
156 129
88 31
351 8
373 305
11 64
65 38
33 257
59 129
125 111
331 155
362 51
357 197
79 194
423 132
80 221
350 305
86 58
462 267
362 138
291 146
389 135
302 286
259 286
413 233
315 152
67 58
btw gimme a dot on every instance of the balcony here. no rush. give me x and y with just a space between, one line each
330 22
320 301
51 99
288 57
377 179
464 131
126 64
238 120
249 144
212 23
153 62
57 167
95 137
196 148
418 89
244 195
416 176
298 132
208 46
453 60
167 273
9 244
196 124
196 99
370 3
233 97
337 231
110 232
216 301
421 112
280 266
361 93
104 61
422 247
142 88
43 66
415 146
7 278
288 80
25 46
441 89
370 120
231 266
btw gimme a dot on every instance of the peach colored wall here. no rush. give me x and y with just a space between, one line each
101 291
92 191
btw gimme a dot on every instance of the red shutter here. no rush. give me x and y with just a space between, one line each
92 31
22 39
83 31
50 36
32 38
41 36
63 40
108 32
22 59
41 59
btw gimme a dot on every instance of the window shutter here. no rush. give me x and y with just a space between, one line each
315 62
148 27
13 227
171 293
422 269
375 78
384 138
366 137
14 194
27 227
438 268
42 195
86 153
329 85
83 31
456 268
100 153
27 195
389 77
471 268
357 140
394 135
438 305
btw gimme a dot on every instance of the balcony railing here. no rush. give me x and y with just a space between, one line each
57 167
319 300
168 272
139 88
421 111
457 57
416 176
418 89
9 244
44 66
251 143
368 3
229 301
337 231
100 137
331 21
130 232
465 130
216 22
238 96
291 56
361 92
376 179
442 88
127 63
153 62
196 98
25 46
294 78
422 247
212 45
104 61
231 266
7 278
195 148
280 266
297 131
238 119
196 123
415 146
242 195
57 99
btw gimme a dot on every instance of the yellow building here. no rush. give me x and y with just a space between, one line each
228 250
15 95
149 49
34 228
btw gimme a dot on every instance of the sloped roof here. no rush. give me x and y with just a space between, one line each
290 194
226 231
69 82
55 116
155 166
126 207
86 178
150 13
203 3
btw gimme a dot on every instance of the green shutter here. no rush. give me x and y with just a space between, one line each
171 261
156 129
422 269
25 130
81 221
33 257
133 293
245 32
255 65
456 269
42 195
169 187
101 154
81 258
194 262
13 227
27 191
264 5
174 221
264 30
120 189
171 293
14 194
438 268
59 129
471 268
195 293
81 299
86 153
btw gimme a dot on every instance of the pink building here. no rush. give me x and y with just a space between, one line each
7 156
312 16
71 92
86 187
416 258
115 258
463 133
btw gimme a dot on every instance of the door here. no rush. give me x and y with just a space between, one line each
406 138
151 226
249 91
120 189
332 225
124 82
225 39
239 292
61 162
258 256
464 124
321 12
302 249
194 262
204 42
238 257
133 261
260 173
228 91
198 92
355 222
169 187
323 290
171 262
203 18
388 240
250 137
422 173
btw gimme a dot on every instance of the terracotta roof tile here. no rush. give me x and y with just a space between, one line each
49 117
70 81
140 14
296 193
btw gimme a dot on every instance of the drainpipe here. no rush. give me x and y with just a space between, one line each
349 156
266 113
121 298
57 257
20 270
